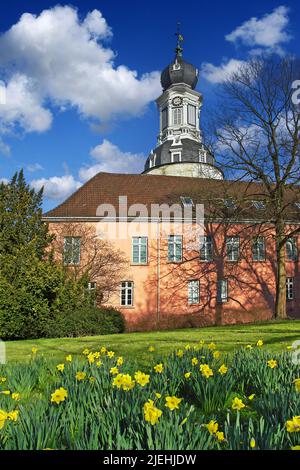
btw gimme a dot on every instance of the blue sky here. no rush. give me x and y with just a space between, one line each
80 78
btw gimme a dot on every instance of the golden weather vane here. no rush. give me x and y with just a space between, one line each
180 39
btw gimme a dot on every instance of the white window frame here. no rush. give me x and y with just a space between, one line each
202 156
258 242
175 153
289 288
177 116
139 242
174 241
126 287
222 290
206 248
232 247
71 261
193 292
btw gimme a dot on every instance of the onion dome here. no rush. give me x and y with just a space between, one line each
179 71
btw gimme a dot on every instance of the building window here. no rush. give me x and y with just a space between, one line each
232 248
289 288
259 249
193 292
259 205
127 293
222 290
164 118
192 115
175 248
139 250
206 248
291 249
71 254
177 116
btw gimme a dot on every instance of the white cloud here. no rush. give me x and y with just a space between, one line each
109 158
57 187
4 148
268 31
23 106
218 74
4 180
60 58
32 167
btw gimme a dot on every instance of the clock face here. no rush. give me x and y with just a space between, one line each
177 101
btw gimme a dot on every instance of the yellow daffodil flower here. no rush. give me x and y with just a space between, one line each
158 368
151 412
173 403
59 395
237 404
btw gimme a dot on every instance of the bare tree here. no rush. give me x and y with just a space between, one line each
100 261
257 132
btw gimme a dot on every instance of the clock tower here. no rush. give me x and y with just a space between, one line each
180 150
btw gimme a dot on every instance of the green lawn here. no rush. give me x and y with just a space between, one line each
276 336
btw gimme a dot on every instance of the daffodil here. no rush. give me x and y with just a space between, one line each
158 395
103 350
297 384
179 353
69 358
13 415
237 404
141 378
92 380
114 371
212 427
173 403
80 376
60 367
260 343
151 412
272 363
216 354
293 425
59 395
86 352
120 361
251 396
212 346
220 436
223 369
99 363
187 375
124 381
158 368
91 358
34 350
5 392
3 379
206 371
15 396
187 347
3 418
194 361
249 346
151 349
252 443
110 354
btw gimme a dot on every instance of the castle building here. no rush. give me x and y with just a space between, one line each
195 270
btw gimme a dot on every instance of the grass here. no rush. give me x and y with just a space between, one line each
276 336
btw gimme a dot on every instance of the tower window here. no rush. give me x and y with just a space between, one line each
202 156
164 118
192 115
176 157
177 116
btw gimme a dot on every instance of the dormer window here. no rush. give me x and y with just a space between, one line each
177 116
186 201
176 157
259 205
229 203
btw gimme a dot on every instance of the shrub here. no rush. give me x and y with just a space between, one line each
85 320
